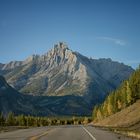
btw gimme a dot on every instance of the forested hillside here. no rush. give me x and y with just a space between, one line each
127 94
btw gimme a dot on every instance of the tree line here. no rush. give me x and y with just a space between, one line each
127 94
22 120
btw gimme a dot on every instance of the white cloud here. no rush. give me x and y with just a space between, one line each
114 40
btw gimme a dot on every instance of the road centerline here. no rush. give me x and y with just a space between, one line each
89 133
40 135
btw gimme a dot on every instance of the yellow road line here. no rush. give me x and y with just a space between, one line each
39 136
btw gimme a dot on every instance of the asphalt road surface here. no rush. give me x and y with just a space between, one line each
62 133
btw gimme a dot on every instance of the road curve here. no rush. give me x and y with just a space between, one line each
62 133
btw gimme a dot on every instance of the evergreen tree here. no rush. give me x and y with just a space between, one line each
123 95
127 94
21 120
135 85
10 120
110 105
99 115
94 114
105 108
2 120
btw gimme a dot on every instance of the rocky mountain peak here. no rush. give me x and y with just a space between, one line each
59 54
61 45
59 49
64 72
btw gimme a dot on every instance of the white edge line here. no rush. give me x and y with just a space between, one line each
89 133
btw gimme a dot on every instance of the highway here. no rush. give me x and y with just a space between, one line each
62 133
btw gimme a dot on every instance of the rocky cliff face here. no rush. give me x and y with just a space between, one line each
63 72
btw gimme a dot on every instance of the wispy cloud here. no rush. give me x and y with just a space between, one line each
114 40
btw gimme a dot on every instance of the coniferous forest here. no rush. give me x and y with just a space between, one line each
32 121
127 94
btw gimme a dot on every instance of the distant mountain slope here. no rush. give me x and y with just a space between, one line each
62 72
11 100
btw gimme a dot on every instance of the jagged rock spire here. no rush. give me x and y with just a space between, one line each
61 45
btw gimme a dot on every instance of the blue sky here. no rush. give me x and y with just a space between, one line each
95 28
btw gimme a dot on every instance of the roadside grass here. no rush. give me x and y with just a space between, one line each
126 122
11 128
127 131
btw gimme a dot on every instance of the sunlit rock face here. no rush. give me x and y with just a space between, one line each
61 72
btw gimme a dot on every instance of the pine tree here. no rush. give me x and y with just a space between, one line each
123 94
21 120
94 114
110 105
129 94
10 120
99 115
2 120
105 106
86 120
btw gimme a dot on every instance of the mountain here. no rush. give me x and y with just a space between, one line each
13 101
62 72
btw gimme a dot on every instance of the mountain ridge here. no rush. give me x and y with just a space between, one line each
61 72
